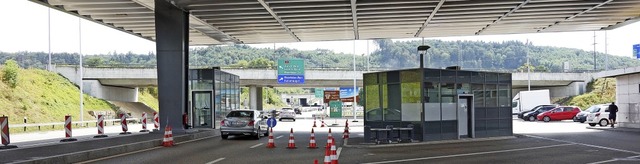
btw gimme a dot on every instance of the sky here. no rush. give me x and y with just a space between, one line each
25 28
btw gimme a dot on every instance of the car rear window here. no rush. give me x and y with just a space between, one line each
240 114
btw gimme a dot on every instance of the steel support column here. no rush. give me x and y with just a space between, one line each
172 47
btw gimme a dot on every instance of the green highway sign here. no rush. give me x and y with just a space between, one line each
290 67
335 108
319 92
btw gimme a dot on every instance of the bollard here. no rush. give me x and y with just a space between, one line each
4 127
144 122
123 122
100 125
156 121
67 130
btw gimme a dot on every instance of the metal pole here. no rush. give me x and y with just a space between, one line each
81 71
528 70
368 61
594 50
49 19
355 87
606 53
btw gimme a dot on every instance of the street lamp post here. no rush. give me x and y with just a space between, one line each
422 50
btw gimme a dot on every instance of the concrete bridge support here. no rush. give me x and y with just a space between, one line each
573 89
255 97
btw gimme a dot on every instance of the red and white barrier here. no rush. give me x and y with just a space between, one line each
4 125
156 121
123 122
144 122
100 127
67 130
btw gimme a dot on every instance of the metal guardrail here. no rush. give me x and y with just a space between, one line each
53 124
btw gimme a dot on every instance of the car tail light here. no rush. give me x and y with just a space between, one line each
251 123
597 114
222 122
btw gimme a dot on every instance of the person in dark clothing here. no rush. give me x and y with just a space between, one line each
613 110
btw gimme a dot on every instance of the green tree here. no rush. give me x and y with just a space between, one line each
94 61
261 63
10 71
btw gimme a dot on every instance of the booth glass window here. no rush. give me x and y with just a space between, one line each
410 86
372 98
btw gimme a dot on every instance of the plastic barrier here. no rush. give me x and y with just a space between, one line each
100 127
144 122
4 125
67 130
123 122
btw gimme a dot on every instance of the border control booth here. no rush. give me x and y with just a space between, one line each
212 94
417 105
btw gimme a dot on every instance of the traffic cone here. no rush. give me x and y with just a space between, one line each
345 134
292 143
312 141
168 137
314 122
327 156
270 144
334 153
315 161
322 123
329 139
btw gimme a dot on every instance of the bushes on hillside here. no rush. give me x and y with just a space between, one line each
10 73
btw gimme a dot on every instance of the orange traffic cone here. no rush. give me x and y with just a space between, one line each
334 154
168 137
312 141
329 139
345 134
270 144
292 143
327 156
322 123
314 122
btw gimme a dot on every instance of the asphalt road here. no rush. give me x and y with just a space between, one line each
537 142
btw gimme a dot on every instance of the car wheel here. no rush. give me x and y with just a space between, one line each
592 124
294 120
257 136
582 121
224 136
266 133
279 119
531 118
546 119
604 122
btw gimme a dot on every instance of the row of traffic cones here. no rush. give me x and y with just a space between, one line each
321 123
292 144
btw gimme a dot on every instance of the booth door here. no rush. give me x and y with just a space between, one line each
201 113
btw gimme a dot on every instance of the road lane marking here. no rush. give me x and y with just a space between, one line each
143 150
279 137
468 154
338 152
583 144
254 146
217 160
632 158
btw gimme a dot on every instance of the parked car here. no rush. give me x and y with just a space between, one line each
582 116
244 122
287 114
599 116
559 113
521 114
319 114
532 116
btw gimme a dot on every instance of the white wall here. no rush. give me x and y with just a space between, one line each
95 89
628 100
573 89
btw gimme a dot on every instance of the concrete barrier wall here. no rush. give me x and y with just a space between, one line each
628 100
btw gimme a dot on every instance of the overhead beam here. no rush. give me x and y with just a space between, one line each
431 15
354 15
576 15
503 16
275 16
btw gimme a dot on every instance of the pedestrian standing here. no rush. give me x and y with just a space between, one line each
613 110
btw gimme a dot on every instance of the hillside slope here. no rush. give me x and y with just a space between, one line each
44 97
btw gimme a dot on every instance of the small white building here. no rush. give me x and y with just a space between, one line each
627 95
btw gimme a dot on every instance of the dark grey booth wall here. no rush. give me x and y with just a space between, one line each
386 91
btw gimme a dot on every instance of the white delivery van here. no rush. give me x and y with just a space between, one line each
527 100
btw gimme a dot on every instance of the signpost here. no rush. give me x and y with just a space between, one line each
331 96
271 122
336 109
636 51
347 94
290 71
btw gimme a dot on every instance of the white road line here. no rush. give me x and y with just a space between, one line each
338 152
615 159
468 154
217 160
129 153
279 137
589 145
254 146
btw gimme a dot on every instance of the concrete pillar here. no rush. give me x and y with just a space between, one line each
172 48
136 94
255 97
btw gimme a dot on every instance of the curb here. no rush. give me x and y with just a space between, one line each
616 129
115 150
431 142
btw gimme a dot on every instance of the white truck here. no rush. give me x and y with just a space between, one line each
526 100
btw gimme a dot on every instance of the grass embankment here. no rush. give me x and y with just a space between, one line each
45 97
149 96
600 91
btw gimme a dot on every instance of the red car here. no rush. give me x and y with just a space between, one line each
559 113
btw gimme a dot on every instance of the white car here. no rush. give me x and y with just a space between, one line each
598 115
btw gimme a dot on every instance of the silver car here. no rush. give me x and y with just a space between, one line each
244 122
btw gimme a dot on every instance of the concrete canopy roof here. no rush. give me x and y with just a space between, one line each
269 21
